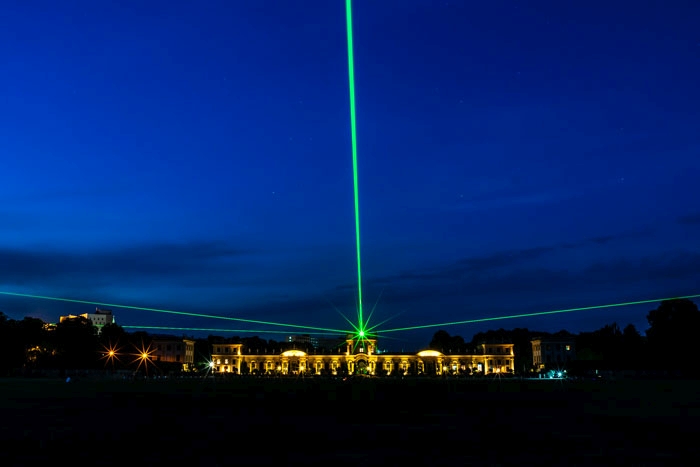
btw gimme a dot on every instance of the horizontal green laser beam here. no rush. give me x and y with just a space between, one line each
525 315
182 313
251 331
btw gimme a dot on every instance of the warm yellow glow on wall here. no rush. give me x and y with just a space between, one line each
488 358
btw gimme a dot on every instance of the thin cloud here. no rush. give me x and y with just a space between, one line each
689 220
602 240
489 263
679 271
459 269
170 262
504 200
12 220
53 195
502 259
518 271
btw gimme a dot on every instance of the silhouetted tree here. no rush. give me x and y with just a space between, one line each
113 335
610 348
600 349
634 352
7 345
672 334
610 340
76 344
23 345
443 342
202 353
440 341
254 344
589 356
33 344
498 336
275 347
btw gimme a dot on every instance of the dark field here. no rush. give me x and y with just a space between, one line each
358 422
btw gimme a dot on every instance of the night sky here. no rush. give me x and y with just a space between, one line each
513 157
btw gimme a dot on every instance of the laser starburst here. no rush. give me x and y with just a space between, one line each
209 367
144 356
111 353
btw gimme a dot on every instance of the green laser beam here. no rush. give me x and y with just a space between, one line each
525 315
346 319
353 137
371 313
182 313
343 316
372 329
256 331
357 315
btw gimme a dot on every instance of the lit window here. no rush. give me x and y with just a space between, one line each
568 347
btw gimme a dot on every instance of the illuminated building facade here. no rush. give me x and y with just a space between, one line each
362 358
99 318
173 350
555 350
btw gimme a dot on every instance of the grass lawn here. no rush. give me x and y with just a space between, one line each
373 421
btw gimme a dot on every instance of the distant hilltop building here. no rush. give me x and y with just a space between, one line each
98 319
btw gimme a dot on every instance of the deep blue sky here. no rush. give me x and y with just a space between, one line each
513 157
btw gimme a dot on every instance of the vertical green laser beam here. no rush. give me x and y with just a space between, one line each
353 135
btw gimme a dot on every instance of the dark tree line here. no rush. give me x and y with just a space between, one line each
29 346
257 345
667 346
520 338
612 348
